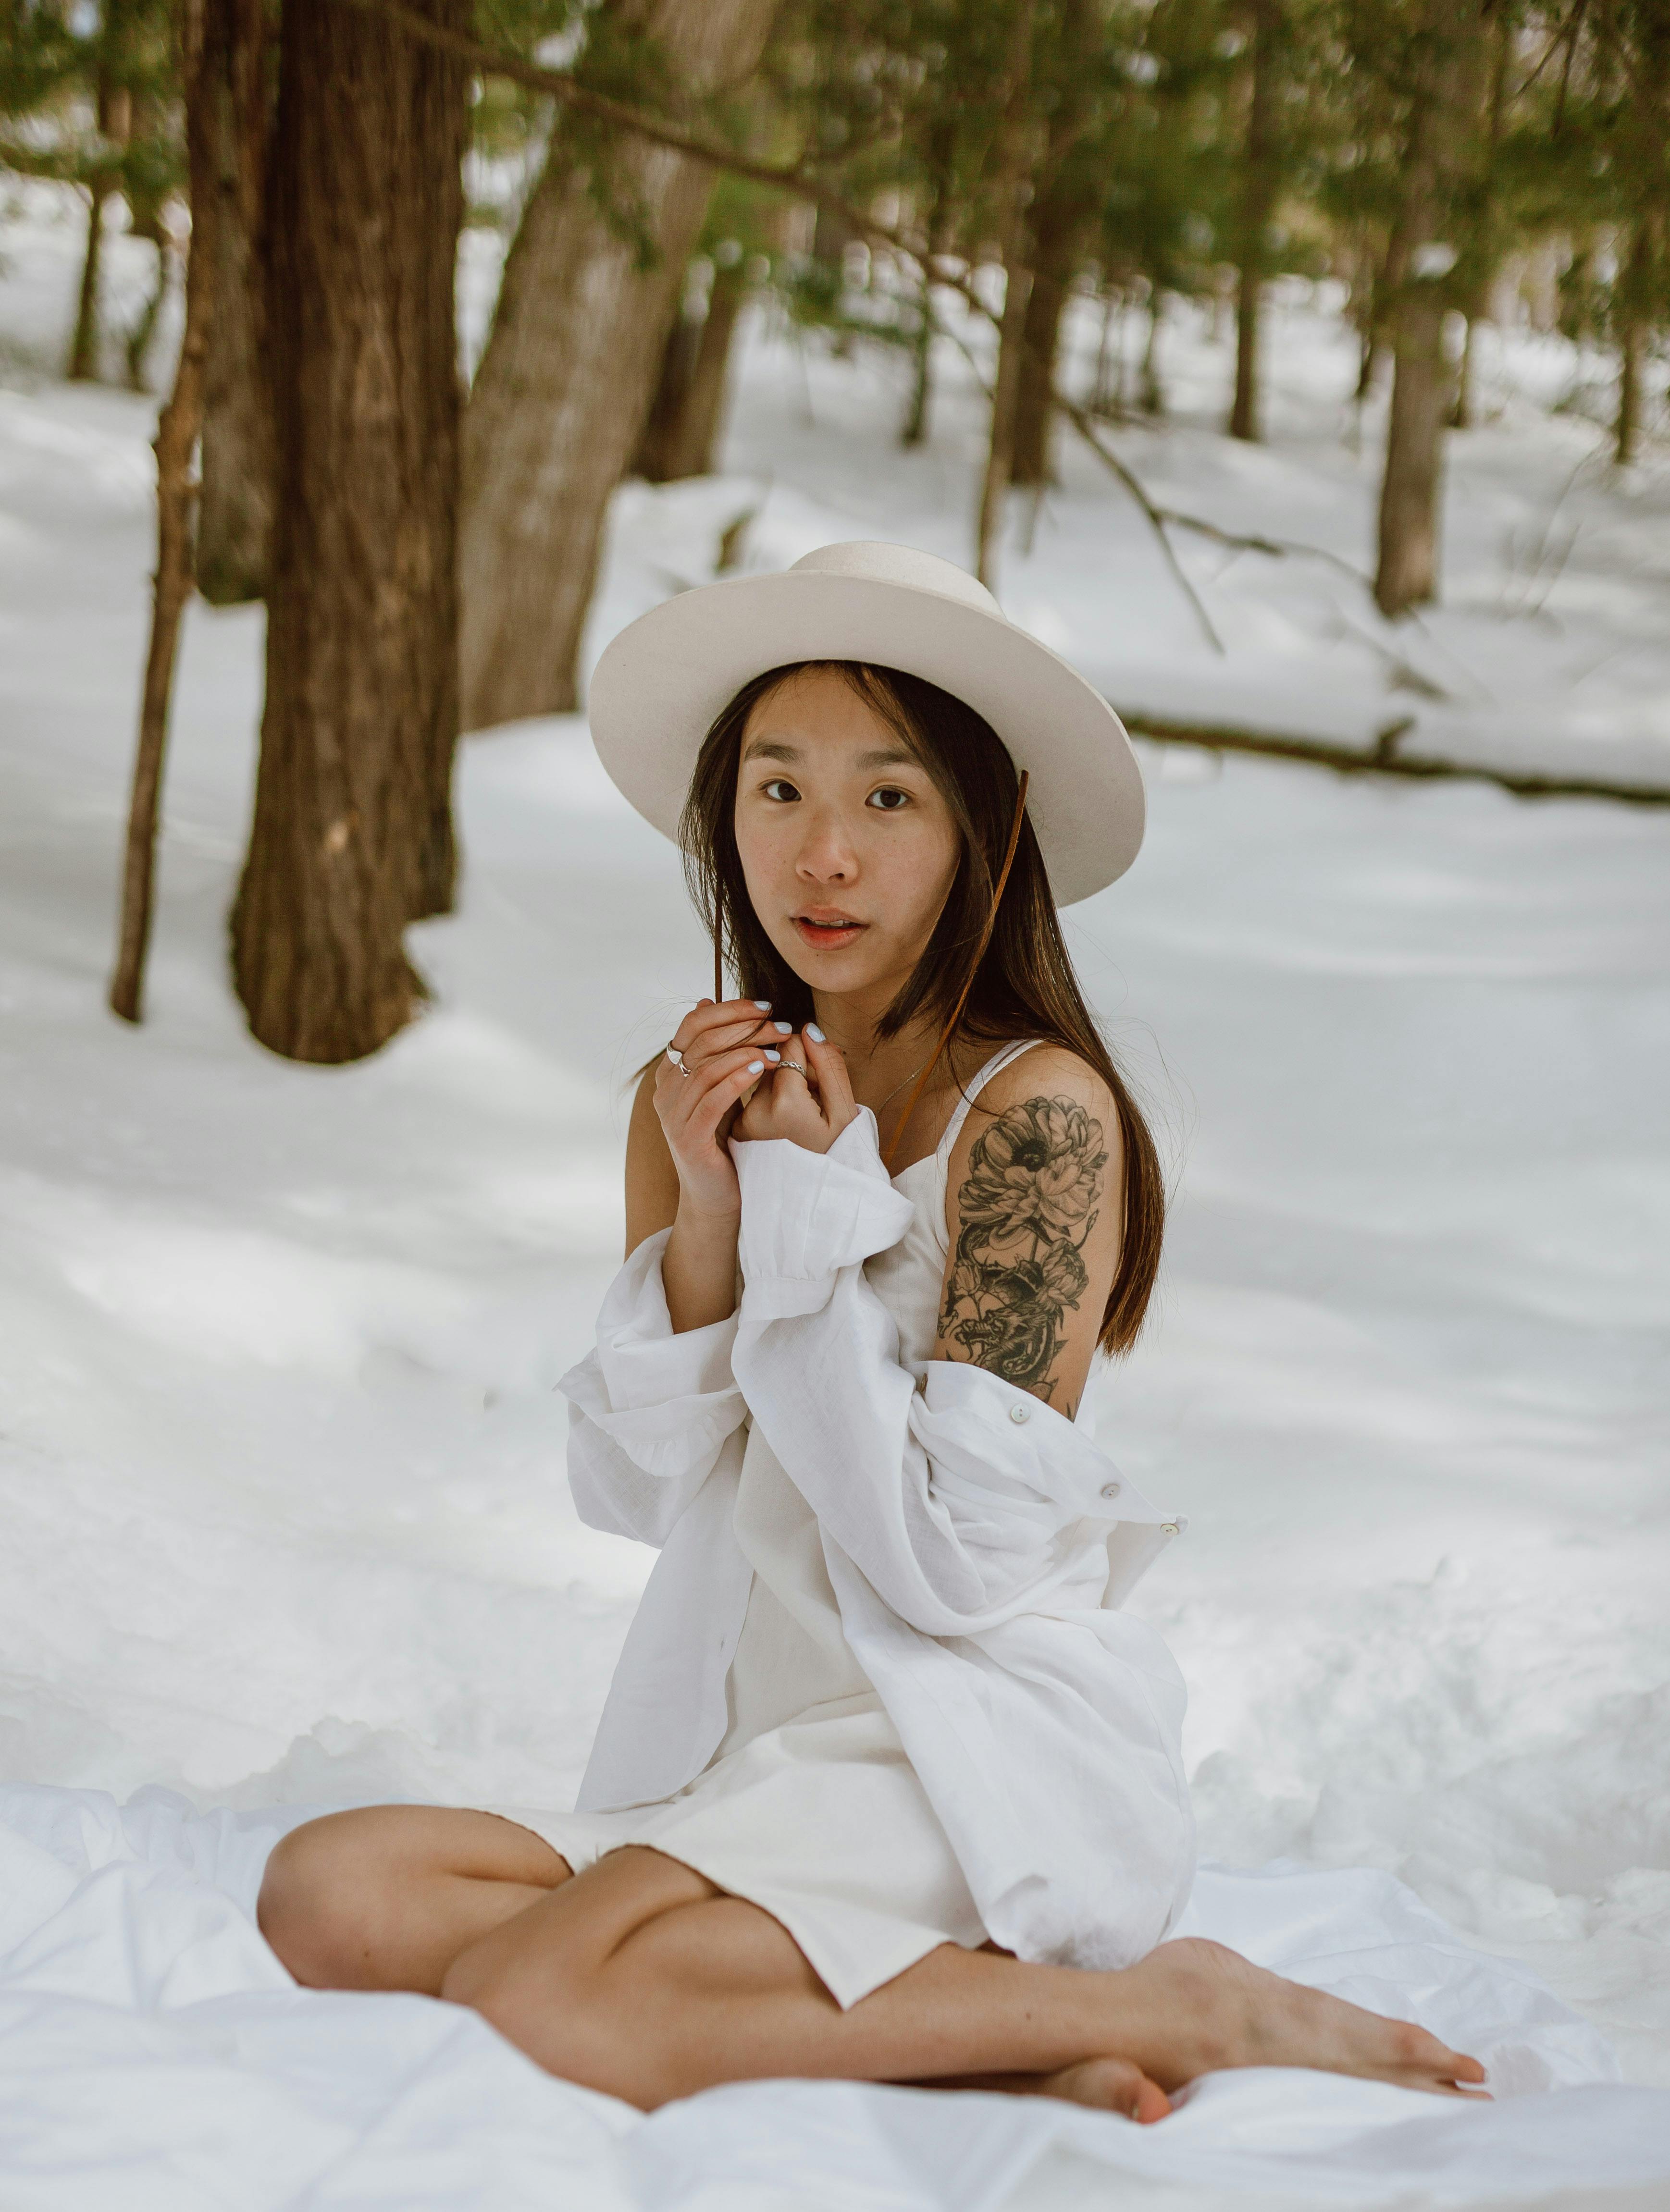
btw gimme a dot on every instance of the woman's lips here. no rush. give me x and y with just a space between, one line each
828 936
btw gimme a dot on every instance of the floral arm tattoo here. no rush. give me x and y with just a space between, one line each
1028 1207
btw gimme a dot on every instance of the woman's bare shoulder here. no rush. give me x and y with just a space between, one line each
1050 1075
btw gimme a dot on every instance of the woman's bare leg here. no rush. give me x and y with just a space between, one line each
386 1898
639 1977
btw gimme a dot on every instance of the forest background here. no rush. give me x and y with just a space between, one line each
471 336
884 172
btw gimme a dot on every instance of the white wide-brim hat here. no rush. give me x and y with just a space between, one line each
660 684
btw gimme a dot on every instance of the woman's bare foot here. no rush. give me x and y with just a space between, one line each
1203 2007
1109 2085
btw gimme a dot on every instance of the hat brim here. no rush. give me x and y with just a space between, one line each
660 683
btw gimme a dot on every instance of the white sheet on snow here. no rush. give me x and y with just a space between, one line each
154 2053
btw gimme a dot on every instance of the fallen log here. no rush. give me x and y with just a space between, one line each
1385 758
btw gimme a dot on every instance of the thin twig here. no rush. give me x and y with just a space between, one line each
1158 517
1155 517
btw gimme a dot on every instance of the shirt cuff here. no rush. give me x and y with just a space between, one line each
806 1215
664 1399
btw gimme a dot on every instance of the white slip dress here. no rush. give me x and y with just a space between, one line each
809 1807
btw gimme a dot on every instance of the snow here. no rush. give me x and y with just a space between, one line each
280 1462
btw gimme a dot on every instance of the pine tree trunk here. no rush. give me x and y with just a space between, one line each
658 440
1444 110
352 838
177 429
1464 406
1408 571
82 367
1634 286
564 386
1013 192
1057 232
1058 220
937 220
1000 450
235 510
1260 178
1626 429
1153 392
913 431
685 416
138 342
702 416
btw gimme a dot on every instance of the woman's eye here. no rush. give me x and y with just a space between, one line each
780 788
889 801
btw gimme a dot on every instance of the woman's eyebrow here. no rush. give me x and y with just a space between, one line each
777 748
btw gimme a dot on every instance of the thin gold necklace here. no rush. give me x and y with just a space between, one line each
897 1088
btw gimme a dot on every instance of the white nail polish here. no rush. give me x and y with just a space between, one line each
774 1057
756 1067
763 1005
784 1029
814 1033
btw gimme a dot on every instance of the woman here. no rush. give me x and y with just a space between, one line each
888 1786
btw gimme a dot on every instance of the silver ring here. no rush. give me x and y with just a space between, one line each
677 1058
795 1065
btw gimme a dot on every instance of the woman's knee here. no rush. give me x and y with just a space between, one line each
319 1898
325 1894
296 1897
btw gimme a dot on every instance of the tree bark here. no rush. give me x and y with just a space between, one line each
1152 390
83 365
1260 179
1633 287
234 508
1407 573
1058 220
177 430
1483 258
1059 233
657 440
704 404
564 386
1015 190
937 222
999 450
685 416
352 835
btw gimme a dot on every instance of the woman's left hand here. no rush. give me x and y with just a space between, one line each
810 1110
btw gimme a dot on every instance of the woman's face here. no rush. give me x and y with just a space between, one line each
848 849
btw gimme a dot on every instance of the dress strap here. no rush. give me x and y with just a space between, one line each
995 1066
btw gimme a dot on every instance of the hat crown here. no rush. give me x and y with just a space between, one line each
900 564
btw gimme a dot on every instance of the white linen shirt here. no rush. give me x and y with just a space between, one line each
978 1544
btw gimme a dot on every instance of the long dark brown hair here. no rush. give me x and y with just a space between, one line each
1023 986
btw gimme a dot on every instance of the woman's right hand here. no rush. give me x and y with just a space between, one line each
726 1048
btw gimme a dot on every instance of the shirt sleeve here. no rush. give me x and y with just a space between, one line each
650 1413
963 1502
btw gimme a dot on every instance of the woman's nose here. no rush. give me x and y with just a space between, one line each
826 855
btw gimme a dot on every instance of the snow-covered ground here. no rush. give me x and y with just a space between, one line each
280 1463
